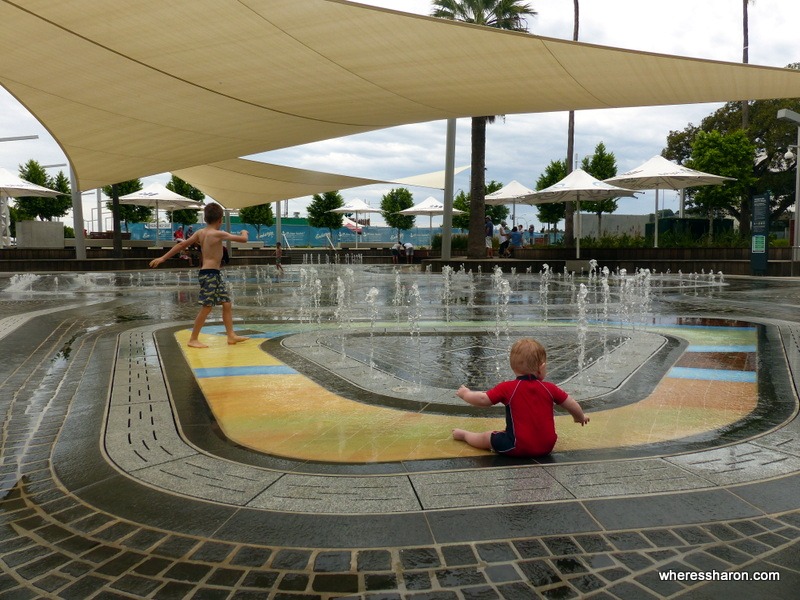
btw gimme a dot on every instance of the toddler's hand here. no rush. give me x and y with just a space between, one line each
244 232
462 391
583 421
155 262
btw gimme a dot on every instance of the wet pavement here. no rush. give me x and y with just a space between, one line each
131 466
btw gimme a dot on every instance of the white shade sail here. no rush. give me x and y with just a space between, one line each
231 79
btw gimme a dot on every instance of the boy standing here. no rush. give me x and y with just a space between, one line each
530 426
213 289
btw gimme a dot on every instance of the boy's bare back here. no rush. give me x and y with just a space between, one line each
210 241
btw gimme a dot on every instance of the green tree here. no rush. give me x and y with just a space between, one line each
729 155
501 14
258 215
45 209
130 213
319 214
187 190
552 212
462 201
601 165
771 137
392 203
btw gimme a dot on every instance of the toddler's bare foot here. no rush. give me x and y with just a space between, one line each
236 339
196 344
459 434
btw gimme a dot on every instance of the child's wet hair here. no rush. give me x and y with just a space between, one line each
527 356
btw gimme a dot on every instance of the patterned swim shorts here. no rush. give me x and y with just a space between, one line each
213 289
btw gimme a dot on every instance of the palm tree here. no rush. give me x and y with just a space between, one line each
569 208
502 14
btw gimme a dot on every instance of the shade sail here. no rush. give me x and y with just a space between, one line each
183 83
238 182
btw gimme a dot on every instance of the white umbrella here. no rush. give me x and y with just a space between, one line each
14 186
577 186
157 196
430 206
355 206
660 173
511 193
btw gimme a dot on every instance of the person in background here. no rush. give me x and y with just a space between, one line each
489 231
409 252
178 235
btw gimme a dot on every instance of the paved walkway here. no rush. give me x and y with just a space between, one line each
115 484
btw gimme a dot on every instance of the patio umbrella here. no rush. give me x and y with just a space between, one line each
157 196
355 206
13 186
577 186
510 193
660 173
430 206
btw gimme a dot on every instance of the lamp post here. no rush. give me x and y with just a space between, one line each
789 115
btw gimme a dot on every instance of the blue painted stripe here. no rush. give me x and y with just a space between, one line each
712 374
721 349
240 371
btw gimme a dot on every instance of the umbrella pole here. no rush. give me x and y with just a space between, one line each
155 244
655 233
356 230
514 213
578 247
430 232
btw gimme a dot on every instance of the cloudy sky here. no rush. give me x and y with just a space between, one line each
520 146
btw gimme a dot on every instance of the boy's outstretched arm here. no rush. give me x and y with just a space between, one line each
174 250
575 410
474 398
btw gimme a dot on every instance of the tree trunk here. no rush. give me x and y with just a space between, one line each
476 246
569 207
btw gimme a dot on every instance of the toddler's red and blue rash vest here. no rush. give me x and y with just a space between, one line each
530 426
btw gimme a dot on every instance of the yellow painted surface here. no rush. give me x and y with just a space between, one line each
292 416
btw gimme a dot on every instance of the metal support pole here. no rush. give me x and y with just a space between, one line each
278 231
449 183
99 210
77 216
796 240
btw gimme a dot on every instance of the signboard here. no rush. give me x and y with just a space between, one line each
759 245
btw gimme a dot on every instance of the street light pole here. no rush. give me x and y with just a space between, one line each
789 115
